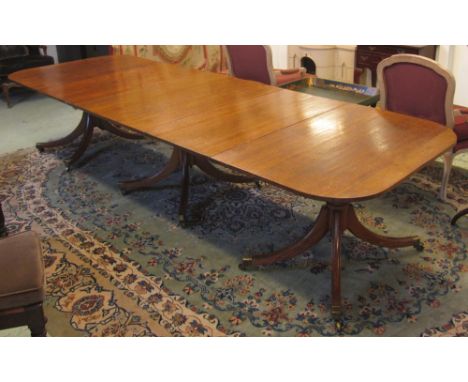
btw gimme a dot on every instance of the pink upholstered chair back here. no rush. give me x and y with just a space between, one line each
251 62
417 86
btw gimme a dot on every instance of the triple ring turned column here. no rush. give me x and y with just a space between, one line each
85 129
336 219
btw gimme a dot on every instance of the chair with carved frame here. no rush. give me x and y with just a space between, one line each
255 62
421 87
461 130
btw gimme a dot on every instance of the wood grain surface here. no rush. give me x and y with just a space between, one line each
315 146
350 153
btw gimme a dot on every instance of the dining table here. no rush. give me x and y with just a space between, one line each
324 149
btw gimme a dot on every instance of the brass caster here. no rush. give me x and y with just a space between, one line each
419 246
338 326
336 314
258 184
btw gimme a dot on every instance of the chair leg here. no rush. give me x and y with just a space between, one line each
37 321
6 94
3 230
448 159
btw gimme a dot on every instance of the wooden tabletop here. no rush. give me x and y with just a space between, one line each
350 153
315 146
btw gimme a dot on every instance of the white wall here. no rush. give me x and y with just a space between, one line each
445 56
280 56
460 71
52 51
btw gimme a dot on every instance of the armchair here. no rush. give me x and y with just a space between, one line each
22 281
418 86
18 57
254 62
461 130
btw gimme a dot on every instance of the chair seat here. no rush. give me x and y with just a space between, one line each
460 146
13 64
22 268
461 130
283 77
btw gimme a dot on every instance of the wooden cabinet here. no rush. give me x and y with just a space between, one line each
368 56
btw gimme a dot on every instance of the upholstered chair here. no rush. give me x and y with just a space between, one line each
254 62
461 130
21 282
19 57
418 86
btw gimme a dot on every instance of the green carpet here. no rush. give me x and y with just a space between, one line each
121 265
33 118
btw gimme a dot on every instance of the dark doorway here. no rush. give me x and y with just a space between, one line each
309 64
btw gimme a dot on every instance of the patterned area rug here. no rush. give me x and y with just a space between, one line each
121 266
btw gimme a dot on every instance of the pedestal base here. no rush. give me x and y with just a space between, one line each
85 129
181 159
333 218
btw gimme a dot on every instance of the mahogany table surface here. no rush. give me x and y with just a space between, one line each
318 147
346 154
